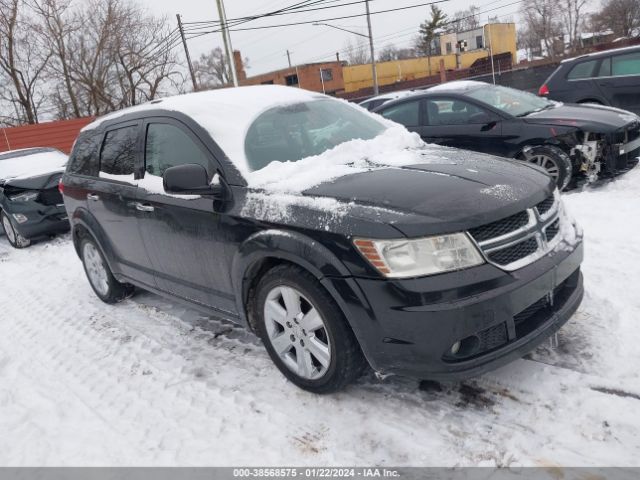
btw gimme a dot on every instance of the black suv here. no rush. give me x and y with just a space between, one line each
609 78
418 260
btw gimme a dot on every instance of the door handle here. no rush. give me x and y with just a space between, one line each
93 196
489 126
144 208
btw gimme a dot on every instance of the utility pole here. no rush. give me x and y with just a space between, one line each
338 56
289 57
227 42
186 52
374 71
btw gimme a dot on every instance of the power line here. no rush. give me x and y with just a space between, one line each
214 23
331 19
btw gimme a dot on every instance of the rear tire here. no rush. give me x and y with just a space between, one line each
15 239
305 332
102 281
556 163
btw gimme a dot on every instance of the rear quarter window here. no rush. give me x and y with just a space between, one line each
582 70
84 158
628 64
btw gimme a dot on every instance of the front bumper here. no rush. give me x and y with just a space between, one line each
41 220
408 327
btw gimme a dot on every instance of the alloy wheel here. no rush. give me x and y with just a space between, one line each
548 163
297 333
96 270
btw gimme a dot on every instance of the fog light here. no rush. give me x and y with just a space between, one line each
455 348
20 218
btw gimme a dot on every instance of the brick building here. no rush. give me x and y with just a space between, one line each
324 77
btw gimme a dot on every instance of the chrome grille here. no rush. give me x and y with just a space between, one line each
516 241
506 256
544 206
501 227
552 230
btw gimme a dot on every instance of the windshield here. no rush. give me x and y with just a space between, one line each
294 132
513 102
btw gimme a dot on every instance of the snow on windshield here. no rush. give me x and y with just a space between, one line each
32 165
394 147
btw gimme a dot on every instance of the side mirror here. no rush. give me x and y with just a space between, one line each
190 179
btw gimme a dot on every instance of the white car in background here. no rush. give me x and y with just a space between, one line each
375 102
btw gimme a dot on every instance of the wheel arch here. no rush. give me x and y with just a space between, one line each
85 225
269 248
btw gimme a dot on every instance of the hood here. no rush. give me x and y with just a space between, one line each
463 193
587 117
37 182
32 165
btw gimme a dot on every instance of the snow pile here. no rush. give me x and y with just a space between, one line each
33 165
151 183
394 147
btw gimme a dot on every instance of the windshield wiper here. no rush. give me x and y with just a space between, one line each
529 112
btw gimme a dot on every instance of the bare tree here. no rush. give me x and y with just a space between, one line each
621 16
391 52
21 63
541 20
212 69
57 28
357 53
465 20
573 21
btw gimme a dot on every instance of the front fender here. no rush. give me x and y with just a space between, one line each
292 247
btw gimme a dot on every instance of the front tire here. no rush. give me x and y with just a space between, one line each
15 239
304 331
102 281
553 160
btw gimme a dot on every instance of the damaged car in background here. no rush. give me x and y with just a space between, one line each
573 143
31 206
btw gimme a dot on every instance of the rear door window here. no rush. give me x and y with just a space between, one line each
582 70
169 146
407 113
628 64
119 152
84 159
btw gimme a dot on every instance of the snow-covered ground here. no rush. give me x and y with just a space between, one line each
147 382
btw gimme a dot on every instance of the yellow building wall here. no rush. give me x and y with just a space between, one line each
356 77
501 37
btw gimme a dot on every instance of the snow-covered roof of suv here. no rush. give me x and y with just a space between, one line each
225 113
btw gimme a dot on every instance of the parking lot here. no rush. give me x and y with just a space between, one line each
148 382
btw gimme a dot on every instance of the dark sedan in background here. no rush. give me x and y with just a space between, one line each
571 142
30 204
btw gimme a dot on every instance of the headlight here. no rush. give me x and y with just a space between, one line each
423 256
24 197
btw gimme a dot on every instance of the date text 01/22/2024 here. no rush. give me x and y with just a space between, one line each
315 473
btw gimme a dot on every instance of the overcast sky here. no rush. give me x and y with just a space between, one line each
266 49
